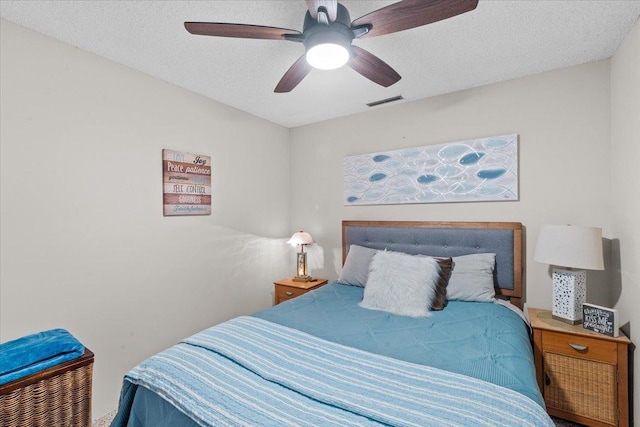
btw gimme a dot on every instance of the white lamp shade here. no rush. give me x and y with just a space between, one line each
570 246
300 238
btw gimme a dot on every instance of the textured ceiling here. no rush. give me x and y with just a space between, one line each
498 41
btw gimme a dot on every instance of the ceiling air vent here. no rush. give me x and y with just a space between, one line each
385 101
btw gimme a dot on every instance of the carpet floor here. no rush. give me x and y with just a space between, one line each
105 420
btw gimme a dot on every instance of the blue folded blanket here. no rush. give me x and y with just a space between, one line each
33 353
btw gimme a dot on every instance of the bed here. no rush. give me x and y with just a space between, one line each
329 357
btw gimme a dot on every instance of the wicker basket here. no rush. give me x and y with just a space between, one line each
58 397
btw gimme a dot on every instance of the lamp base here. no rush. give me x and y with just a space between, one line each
569 292
569 321
302 278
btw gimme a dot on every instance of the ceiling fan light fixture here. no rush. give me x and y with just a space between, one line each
327 56
328 47
327 33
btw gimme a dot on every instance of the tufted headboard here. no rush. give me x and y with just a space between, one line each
445 239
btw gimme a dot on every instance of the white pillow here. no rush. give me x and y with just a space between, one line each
356 267
401 284
472 278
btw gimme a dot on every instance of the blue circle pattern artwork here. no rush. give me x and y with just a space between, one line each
477 170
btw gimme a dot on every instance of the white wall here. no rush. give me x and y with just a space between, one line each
625 183
84 245
563 121
83 241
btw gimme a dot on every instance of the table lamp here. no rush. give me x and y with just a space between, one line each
301 239
574 247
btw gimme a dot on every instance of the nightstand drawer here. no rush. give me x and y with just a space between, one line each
284 293
289 288
581 347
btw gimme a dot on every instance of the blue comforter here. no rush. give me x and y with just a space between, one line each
248 371
482 340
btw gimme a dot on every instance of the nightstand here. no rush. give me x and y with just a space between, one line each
288 288
583 375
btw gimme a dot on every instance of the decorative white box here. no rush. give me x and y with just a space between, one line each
569 293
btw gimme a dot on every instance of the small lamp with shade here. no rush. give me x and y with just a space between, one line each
301 238
574 247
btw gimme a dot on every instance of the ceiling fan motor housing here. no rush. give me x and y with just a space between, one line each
336 32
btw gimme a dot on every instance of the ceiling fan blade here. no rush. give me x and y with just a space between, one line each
293 76
330 5
410 14
238 30
372 67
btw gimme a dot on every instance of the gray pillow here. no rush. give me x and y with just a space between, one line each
356 267
472 278
401 284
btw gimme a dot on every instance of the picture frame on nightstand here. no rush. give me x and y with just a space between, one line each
600 319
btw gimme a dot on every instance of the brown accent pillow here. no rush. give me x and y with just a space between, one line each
440 298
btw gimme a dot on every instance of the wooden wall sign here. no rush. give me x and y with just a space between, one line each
187 183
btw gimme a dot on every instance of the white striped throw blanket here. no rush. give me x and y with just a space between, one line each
252 372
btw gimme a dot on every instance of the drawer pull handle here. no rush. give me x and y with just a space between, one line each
547 379
289 293
578 347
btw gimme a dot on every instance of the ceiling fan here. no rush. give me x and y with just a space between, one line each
328 32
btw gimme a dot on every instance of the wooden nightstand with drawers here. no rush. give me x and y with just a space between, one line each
288 288
582 375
